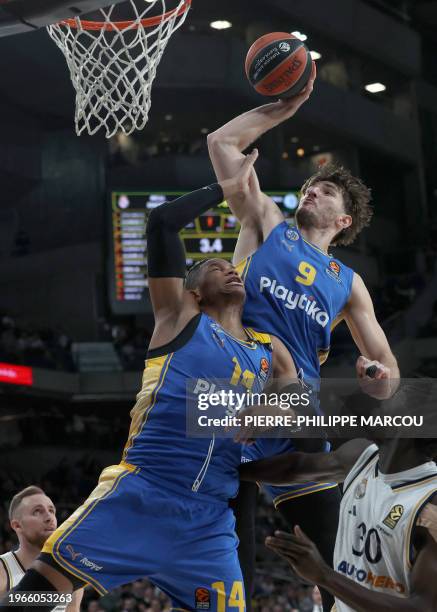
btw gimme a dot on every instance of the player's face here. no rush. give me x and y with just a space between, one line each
36 519
321 206
220 278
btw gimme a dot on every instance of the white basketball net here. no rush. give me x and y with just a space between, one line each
112 68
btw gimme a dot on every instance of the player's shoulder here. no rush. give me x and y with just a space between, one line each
260 336
338 266
3 576
357 455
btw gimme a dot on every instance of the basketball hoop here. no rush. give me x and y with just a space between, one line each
113 63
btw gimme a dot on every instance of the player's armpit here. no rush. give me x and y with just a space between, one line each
305 467
283 364
428 518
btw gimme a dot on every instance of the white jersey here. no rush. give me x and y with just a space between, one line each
15 571
378 513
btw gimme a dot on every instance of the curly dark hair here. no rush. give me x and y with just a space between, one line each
356 198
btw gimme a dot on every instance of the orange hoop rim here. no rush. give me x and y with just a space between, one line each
148 22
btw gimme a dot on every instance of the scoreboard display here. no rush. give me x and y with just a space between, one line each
213 234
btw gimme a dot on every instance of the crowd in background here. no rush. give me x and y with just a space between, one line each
22 343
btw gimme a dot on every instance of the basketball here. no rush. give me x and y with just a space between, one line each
278 64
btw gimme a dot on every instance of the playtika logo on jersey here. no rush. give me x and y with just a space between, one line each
294 300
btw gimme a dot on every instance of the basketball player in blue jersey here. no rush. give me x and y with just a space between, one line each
163 512
299 292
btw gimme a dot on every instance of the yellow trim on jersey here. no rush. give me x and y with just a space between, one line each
243 267
153 378
316 248
129 467
109 480
307 490
422 483
250 344
259 336
323 353
412 522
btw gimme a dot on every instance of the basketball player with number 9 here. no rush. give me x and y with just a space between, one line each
299 292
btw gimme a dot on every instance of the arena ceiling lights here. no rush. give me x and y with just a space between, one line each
375 87
222 24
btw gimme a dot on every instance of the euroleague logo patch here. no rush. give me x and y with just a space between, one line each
393 517
333 270
292 235
264 368
202 599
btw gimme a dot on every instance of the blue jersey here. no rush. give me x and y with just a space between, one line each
158 444
296 292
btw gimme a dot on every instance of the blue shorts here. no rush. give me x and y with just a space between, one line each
128 529
268 447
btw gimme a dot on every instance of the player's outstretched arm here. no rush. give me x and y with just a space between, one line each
305 559
372 343
305 467
257 213
173 306
242 131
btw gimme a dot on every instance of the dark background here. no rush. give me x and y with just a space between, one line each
55 313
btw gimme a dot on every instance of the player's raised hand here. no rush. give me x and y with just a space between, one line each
301 553
286 108
374 378
238 185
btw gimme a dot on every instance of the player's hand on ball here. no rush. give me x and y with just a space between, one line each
300 552
286 108
374 378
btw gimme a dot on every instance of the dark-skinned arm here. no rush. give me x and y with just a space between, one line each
284 381
290 468
305 559
173 306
